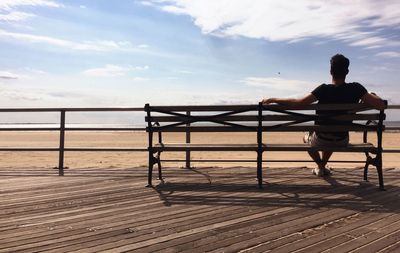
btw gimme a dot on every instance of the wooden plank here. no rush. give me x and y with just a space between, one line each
176 216
363 147
248 118
197 108
253 128
205 147
263 232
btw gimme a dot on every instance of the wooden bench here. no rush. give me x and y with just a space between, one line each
263 118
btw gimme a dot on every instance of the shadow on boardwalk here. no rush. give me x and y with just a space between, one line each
331 192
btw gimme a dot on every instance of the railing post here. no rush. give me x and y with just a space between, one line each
188 142
61 149
259 144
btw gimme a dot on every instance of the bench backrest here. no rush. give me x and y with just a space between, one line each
253 118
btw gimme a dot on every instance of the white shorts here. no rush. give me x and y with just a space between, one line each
315 141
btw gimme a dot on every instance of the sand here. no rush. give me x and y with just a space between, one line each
109 160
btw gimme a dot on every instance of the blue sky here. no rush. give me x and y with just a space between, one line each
127 53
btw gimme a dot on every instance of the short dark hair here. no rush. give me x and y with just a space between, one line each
339 66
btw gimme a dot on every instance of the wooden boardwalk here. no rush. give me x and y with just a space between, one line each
199 210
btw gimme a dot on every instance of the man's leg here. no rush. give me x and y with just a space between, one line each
325 157
315 156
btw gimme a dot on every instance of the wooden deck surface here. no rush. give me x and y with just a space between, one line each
199 210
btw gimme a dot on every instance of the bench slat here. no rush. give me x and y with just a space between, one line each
363 147
296 128
221 108
205 147
254 118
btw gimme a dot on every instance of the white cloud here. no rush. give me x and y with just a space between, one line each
140 79
9 14
143 46
15 16
99 45
19 95
82 6
8 75
10 4
291 21
108 71
274 82
111 70
140 67
389 54
277 86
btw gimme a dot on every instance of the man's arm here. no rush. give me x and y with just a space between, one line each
296 102
373 100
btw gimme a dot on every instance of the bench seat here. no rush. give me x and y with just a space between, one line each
204 147
362 147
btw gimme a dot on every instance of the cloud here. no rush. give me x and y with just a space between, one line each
108 71
99 45
111 70
20 95
140 79
291 21
10 4
7 75
15 16
143 46
9 14
389 54
275 82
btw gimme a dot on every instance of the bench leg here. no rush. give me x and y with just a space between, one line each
380 173
367 163
259 169
150 172
159 166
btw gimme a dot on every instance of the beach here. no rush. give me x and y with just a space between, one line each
109 160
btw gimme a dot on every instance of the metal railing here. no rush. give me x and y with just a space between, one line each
62 129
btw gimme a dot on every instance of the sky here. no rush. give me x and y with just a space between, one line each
100 53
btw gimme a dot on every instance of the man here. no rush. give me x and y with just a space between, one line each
337 92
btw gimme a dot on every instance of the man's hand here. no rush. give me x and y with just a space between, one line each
267 101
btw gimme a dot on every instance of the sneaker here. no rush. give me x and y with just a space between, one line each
318 172
321 172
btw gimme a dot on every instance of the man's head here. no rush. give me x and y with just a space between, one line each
339 66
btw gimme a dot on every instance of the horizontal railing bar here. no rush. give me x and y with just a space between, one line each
28 149
141 149
107 149
75 129
391 150
99 109
105 129
30 129
392 128
130 149
182 108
